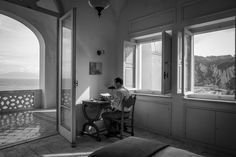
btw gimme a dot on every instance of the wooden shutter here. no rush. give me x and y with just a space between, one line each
166 62
129 64
180 67
235 59
188 62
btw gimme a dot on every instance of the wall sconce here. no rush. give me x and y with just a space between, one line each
99 5
100 52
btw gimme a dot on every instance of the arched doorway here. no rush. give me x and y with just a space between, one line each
19 55
22 76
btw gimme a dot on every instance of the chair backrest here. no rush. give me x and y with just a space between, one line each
130 102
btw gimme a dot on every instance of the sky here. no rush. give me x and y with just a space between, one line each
215 43
19 47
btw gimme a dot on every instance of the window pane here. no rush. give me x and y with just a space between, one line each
214 57
129 63
129 77
151 61
129 53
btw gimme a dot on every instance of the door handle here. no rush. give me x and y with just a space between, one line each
165 75
76 83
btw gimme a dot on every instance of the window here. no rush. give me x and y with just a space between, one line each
209 60
147 64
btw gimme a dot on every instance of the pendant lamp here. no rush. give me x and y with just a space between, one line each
99 5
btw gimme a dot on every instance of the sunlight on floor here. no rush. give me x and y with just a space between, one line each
82 154
26 125
46 110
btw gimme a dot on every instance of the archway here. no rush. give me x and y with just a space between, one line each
21 108
19 56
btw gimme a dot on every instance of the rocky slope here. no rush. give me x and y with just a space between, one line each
218 71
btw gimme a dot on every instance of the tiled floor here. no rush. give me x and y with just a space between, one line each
24 126
57 146
18 132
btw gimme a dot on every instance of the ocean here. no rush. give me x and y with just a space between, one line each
18 84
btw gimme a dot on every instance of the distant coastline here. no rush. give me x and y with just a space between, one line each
18 84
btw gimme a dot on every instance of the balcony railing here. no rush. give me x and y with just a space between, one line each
19 100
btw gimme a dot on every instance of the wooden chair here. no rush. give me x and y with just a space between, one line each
126 123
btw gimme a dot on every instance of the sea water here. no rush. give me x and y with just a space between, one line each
18 84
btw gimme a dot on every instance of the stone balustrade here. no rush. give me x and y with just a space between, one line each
19 100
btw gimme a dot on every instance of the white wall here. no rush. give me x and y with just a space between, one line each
45 28
92 34
141 17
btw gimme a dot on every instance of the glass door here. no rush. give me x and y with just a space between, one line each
66 95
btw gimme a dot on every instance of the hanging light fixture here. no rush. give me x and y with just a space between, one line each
99 5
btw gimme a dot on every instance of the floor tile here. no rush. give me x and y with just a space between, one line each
57 145
26 125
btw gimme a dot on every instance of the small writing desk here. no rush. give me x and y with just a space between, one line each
92 110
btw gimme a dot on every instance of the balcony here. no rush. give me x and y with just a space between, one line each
20 100
22 117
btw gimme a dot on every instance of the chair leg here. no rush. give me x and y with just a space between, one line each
132 129
125 127
121 130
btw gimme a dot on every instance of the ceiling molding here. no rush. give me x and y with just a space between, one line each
117 6
32 4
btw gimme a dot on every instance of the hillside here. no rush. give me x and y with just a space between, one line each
218 71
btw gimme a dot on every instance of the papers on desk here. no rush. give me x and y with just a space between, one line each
105 94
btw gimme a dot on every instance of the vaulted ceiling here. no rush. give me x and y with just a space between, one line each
56 7
117 6
51 7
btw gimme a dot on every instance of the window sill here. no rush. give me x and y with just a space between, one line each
153 95
210 98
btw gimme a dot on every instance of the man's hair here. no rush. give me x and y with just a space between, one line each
119 80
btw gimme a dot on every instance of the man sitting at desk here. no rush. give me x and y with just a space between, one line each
120 93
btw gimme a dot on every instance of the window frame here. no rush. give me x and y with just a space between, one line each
139 64
202 28
127 44
137 82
